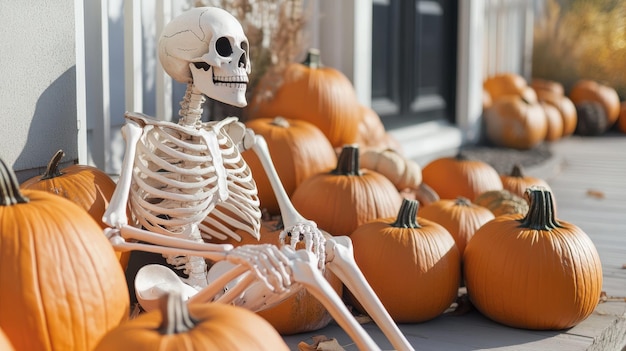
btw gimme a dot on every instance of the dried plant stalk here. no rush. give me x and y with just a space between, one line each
276 32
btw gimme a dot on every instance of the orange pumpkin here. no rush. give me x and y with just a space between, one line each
300 312
502 84
86 186
590 90
451 177
460 217
341 200
515 122
547 86
372 133
62 285
554 122
320 95
210 326
533 271
5 344
517 182
425 264
298 149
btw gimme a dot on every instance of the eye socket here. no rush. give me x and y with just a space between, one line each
223 47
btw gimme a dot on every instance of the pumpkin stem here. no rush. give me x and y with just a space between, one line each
541 212
52 170
348 161
280 121
312 59
10 193
517 171
175 315
407 215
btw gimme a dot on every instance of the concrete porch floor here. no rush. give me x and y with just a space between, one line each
588 179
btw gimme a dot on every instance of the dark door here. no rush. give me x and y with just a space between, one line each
414 60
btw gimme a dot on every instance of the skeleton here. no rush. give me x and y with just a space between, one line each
188 180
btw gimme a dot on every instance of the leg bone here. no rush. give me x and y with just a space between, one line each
341 262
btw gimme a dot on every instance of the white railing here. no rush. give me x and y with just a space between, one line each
508 37
122 72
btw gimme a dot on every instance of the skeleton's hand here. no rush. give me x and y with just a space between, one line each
308 233
267 262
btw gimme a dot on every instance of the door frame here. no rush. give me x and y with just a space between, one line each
342 33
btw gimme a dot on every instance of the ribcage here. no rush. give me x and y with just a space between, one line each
184 179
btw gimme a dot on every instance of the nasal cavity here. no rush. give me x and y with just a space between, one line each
202 65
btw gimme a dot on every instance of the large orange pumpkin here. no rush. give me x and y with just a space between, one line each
317 94
451 177
411 263
533 271
515 122
177 326
298 149
62 285
86 186
348 196
300 312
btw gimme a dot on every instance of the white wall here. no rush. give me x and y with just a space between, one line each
38 89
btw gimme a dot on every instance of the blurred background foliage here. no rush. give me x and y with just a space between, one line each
581 39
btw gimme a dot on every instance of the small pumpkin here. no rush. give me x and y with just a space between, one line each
501 202
178 326
592 119
348 196
403 172
517 181
460 217
515 122
547 86
301 312
372 133
298 149
317 94
502 84
62 285
426 264
554 122
451 177
85 185
533 271
590 90
424 194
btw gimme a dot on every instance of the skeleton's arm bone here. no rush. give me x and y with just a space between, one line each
115 214
340 261
289 213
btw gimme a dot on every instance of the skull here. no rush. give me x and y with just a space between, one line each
206 46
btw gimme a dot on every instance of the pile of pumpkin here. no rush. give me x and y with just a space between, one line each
417 233
521 115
